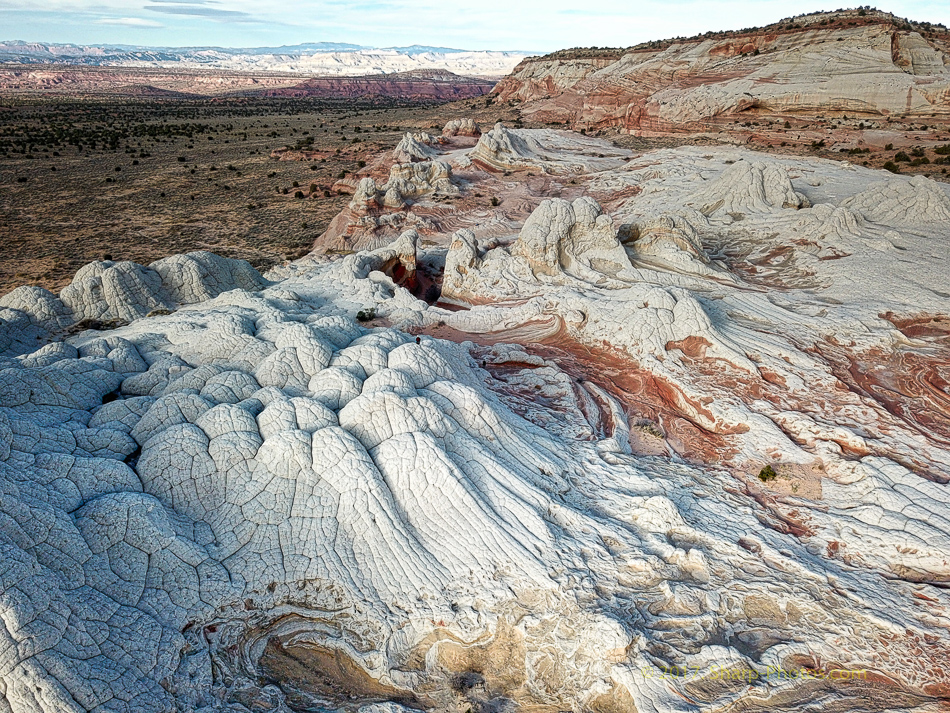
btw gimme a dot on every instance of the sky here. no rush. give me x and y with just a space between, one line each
528 25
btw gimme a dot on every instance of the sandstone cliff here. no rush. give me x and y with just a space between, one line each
857 63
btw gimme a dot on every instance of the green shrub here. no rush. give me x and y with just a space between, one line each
892 167
365 315
901 157
767 474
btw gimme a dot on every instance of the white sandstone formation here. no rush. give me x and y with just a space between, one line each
376 214
573 236
897 203
672 243
503 149
412 180
257 502
42 307
749 188
818 65
415 147
366 197
461 127
110 291
407 181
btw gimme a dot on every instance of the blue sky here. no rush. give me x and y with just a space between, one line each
533 25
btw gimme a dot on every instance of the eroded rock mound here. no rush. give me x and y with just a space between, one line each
575 237
502 149
43 308
898 202
110 292
547 150
748 187
377 214
199 276
671 242
407 181
412 180
415 147
461 127
117 292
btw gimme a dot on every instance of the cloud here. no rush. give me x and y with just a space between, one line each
129 22
198 11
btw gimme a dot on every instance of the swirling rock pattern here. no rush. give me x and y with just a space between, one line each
250 500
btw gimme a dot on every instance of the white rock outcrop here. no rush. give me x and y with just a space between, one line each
746 187
116 292
918 201
570 236
407 181
257 502
504 149
461 127
109 292
671 242
415 147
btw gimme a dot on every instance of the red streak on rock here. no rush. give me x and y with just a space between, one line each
914 386
642 394
692 346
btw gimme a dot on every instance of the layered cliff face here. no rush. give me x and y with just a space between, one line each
867 66
421 85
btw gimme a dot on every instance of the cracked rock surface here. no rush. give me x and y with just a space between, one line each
317 491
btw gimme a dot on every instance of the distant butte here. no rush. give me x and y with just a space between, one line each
52 80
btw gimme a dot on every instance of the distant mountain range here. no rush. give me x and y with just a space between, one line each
316 58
